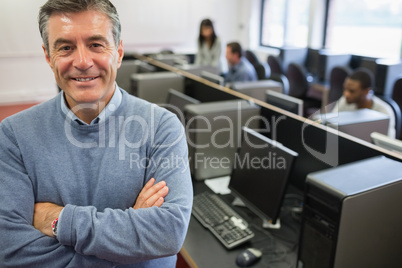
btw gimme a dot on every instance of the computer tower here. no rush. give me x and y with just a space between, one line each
386 74
213 132
359 123
328 60
352 216
257 89
289 55
154 87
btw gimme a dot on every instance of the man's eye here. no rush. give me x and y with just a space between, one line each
96 45
65 48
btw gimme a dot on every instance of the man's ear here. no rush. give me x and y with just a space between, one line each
367 90
120 52
47 57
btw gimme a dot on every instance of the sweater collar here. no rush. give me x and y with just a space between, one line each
112 106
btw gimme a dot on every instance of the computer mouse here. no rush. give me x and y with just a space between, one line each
248 257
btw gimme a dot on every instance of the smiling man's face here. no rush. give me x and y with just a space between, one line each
83 56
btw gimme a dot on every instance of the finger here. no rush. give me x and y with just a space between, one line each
148 185
159 202
144 195
152 200
148 196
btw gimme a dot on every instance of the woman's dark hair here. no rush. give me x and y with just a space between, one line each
207 23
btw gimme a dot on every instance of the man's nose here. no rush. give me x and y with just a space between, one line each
82 58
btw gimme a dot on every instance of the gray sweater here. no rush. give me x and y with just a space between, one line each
96 172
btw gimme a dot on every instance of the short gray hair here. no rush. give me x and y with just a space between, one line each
76 6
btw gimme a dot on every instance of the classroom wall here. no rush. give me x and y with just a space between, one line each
147 26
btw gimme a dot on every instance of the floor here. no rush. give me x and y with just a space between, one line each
7 110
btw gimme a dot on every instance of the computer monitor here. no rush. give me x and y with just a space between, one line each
313 62
289 55
369 64
359 123
217 79
285 102
386 142
328 60
176 101
171 59
257 89
153 87
388 70
260 174
213 131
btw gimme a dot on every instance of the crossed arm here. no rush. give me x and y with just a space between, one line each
90 236
150 196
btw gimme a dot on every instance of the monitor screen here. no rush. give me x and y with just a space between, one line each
217 79
176 102
313 62
285 102
260 174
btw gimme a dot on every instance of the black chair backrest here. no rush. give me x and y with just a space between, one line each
275 65
298 85
251 57
398 115
397 92
336 80
263 70
283 80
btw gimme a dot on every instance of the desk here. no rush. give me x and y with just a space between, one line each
201 249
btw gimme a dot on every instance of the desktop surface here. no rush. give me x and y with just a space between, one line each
279 247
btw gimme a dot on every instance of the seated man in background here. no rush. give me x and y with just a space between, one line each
94 177
357 94
240 69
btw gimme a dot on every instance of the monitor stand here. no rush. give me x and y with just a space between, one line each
266 223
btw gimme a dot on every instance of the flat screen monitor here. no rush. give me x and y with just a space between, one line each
285 102
217 79
386 142
260 174
176 101
313 62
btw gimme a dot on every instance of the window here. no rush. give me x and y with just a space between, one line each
284 23
370 28
367 27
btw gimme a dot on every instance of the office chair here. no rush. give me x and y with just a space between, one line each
397 92
299 86
398 116
263 71
251 57
275 65
283 80
336 80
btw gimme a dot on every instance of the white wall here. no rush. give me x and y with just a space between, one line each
147 26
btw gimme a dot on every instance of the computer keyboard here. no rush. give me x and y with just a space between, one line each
223 222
